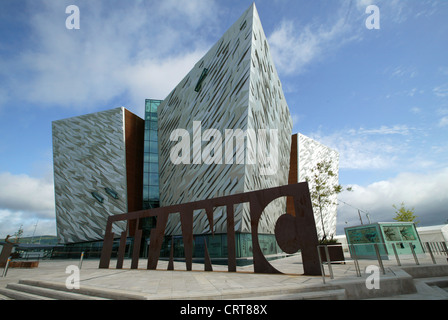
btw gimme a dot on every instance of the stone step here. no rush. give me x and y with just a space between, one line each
49 293
2 297
85 291
12 294
327 292
335 294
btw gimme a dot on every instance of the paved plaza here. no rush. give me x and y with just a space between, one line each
426 281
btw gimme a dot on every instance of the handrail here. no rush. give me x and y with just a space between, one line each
431 248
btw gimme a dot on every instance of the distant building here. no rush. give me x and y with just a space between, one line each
309 154
437 233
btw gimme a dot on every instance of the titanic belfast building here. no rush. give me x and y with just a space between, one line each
224 129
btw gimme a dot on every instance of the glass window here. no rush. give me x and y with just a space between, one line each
154 105
392 234
154 157
153 147
98 197
146 192
153 136
153 179
408 233
153 167
153 192
153 125
111 192
153 115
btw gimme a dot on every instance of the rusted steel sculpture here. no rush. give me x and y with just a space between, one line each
5 254
292 232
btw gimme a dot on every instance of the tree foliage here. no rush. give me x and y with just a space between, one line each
322 189
404 214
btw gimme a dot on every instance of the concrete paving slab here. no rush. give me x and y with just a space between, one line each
181 284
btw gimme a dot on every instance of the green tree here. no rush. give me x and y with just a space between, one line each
322 189
404 214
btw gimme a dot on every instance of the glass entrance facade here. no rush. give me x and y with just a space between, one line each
151 194
151 156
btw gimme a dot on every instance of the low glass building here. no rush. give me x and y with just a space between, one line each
403 235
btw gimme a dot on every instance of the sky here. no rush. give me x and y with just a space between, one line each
379 96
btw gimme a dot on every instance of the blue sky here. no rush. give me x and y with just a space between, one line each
378 96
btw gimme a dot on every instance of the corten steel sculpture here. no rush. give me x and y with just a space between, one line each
292 232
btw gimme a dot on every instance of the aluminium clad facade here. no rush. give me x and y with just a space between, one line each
97 172
234 86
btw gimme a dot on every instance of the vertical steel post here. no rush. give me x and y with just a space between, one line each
430 253
445 249
413 253
80 260
355 260
321 264
327 254
396 254
378 256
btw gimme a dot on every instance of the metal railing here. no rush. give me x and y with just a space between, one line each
379 252
8 262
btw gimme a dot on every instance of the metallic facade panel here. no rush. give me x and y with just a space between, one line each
310 152
89 156
234 86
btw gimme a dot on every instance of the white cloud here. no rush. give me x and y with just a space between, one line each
130 50
27 194
25 200
441 91
294 47
443 122
385 130
154 78
12 221
416 110
424 192
377 148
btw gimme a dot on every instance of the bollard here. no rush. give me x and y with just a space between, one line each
80 260
5 271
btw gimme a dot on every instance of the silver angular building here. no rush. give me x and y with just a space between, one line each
97 160
234 87
310 153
